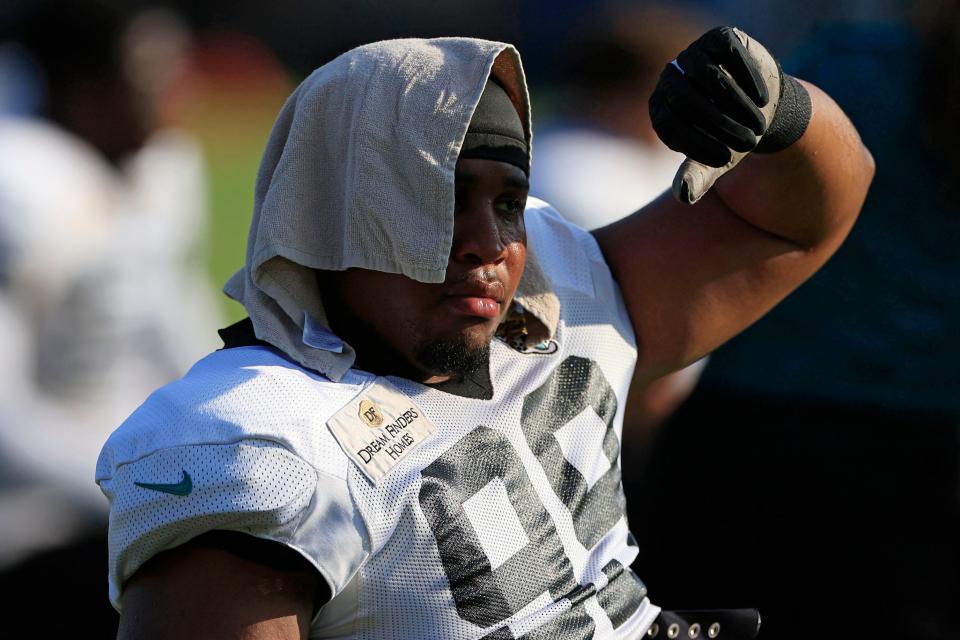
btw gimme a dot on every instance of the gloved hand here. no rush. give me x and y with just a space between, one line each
723 97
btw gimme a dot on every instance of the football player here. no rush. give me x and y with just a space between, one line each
416 432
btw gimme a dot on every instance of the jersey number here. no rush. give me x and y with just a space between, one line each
486 595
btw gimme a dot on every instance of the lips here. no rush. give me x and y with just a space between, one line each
476 298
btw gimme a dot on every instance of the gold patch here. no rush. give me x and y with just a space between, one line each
370 414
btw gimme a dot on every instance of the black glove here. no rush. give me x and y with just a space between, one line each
710 103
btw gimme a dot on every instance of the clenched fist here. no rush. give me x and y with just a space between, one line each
723 97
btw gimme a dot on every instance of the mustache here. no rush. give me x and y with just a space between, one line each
478 282
476 276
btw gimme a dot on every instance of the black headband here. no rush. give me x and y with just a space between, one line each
496 131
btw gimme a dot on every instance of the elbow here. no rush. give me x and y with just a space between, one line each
869 168
847 203
840 205
866 170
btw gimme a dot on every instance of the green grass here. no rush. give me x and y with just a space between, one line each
232 175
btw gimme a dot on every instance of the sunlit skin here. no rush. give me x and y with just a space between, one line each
384 316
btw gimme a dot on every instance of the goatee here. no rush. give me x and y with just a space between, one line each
452 357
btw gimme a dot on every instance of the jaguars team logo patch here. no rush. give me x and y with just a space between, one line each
379 428
544 348
370 413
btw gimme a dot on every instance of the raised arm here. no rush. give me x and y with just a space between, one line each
693 276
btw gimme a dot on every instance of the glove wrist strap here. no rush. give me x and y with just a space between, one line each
792 117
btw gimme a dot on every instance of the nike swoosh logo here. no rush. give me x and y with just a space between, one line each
182 488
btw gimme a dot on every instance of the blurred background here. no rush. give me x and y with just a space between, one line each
808 468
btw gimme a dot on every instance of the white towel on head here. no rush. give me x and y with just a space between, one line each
359 172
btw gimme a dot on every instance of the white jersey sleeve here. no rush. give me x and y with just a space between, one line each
238 444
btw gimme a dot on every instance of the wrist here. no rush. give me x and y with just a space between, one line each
790 121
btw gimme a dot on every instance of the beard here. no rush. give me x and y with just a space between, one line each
451 356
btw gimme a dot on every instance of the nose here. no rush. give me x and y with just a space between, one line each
477 237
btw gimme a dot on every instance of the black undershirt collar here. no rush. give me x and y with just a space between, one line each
476 385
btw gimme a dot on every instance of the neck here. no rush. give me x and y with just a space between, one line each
375 355
378 358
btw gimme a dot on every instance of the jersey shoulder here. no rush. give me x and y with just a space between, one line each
240 443
573 262
568 254
247 393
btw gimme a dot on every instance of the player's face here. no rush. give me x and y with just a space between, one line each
436 331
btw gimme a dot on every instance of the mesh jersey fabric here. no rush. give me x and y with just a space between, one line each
507 522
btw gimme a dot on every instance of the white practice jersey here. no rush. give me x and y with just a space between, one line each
429 514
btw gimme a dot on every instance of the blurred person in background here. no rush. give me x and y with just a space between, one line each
837 481
599 158
102 292
598 155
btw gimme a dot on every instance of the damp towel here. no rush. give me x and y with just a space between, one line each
359 172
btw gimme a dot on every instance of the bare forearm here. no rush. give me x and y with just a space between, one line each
809 194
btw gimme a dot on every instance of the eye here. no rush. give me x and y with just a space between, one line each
511 207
